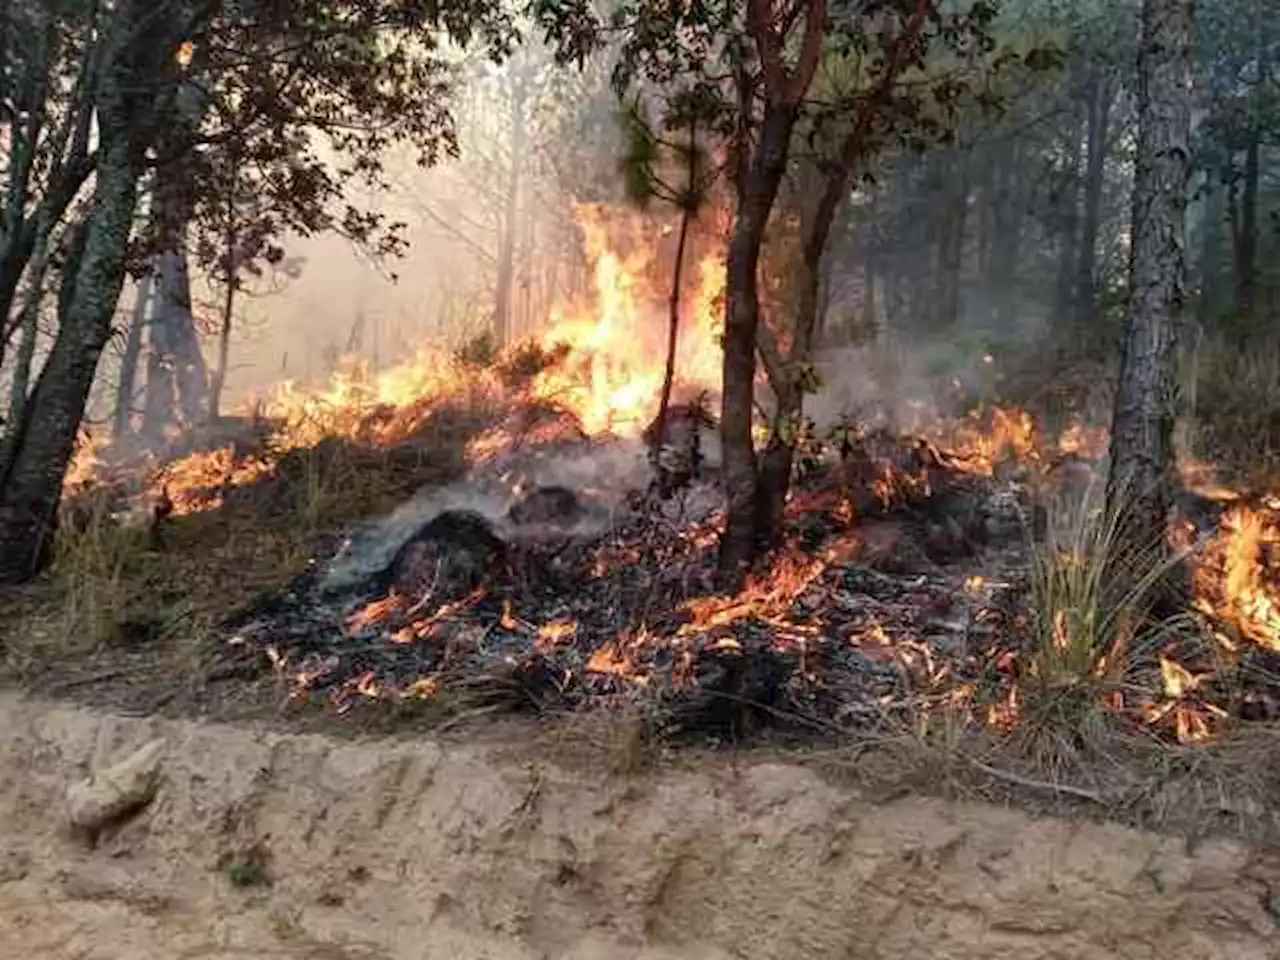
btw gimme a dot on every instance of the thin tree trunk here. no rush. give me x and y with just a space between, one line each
1068 223
231 275
29 328
1099 117
687 212
1139 485
1215 214
219 379
742 322
505 294
123 419
952 251
1246 247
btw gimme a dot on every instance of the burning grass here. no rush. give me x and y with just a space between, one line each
945 582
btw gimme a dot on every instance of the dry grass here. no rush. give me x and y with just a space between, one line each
114 603
1233 400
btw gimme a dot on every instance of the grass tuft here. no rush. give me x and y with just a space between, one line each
101 569
1093 639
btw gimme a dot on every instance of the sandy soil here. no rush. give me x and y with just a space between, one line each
417 850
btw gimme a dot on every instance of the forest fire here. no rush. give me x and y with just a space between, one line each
892 592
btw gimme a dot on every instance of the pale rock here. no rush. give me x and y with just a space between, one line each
118 791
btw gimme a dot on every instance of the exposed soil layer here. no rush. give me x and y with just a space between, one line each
264 845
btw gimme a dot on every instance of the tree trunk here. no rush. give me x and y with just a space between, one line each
219 379
1068 224
687 212
1141 476
505 295
31 485
1006 246
29 328
122 422
1099 117
1215 214
757 192
1246 238
951 251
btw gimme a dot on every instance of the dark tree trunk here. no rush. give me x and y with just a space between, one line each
29 327
687 213
1006 245
1099 116
1139 486
1215 215
951 248
123 421
757 192
31 485
1246 238
1068 224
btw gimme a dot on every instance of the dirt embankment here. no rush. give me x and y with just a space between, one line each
262 845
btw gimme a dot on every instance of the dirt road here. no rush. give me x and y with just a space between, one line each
261 845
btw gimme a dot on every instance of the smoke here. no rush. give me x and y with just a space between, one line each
601 474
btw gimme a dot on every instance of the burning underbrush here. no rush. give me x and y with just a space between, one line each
921 578
936 572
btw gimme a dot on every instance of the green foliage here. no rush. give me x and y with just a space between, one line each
640 156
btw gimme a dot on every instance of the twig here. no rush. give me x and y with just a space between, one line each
1030 784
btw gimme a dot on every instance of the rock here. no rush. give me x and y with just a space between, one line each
118 792
14 866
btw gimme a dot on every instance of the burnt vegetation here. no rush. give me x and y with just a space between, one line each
884 371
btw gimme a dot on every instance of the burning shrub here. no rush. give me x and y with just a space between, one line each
520 365
480 351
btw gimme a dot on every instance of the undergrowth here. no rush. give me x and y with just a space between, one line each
1233 406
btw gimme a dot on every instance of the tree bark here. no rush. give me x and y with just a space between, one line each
951 252
123 419
29 327
1139 485
687 212
31 486
1100 100
1068 229
504 321
1246 237
742 322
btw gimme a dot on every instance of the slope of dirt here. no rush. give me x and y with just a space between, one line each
383 850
